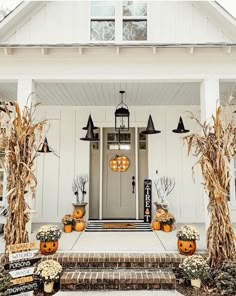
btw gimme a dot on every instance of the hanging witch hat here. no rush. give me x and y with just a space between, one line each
90 122
150 130
180 128
90 134
45 148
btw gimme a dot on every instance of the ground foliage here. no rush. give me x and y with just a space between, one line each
215 146
19 132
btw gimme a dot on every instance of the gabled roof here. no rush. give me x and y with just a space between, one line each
222 18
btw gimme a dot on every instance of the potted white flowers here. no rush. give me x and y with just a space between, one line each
196 268
48 236
187 236
49 271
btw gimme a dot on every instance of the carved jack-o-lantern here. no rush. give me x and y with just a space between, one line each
79 212
48 248
186 247
119 163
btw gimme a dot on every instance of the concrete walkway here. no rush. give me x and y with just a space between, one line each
120 293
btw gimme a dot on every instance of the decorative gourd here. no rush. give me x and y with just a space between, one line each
79 225
68 228
186 247
48 248
166 227
119 163
156 225
79 212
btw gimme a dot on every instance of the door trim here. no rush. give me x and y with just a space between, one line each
136 140
101 173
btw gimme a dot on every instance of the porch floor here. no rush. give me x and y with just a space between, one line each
156 241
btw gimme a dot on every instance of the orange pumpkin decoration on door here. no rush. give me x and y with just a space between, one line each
186 247
49 247
119 163
79 225
79 212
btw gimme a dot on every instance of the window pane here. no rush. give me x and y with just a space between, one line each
102 30
134 8
134 30
102 8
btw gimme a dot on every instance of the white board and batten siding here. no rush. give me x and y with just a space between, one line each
166 154
68 22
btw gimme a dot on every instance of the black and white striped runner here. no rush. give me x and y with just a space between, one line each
96 226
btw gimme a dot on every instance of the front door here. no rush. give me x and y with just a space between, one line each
119 173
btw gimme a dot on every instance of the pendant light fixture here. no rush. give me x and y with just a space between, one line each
90 122
180 128
45 148
150 130
122 115
90 136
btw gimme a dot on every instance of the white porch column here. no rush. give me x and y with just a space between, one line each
25 87
209 100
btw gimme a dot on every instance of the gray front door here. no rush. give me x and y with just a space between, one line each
118 194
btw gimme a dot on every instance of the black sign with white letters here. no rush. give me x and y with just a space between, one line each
21 264
147 201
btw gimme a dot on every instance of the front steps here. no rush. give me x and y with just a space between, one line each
117 271
120 279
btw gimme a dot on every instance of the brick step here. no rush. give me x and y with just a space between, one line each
122 279
117 260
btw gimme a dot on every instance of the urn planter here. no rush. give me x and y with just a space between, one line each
79 210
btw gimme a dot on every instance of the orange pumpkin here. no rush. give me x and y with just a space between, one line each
119 163
186 247
166 227
48 248
156 225
79 212
67 228
79 225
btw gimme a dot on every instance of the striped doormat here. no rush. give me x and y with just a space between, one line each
117 226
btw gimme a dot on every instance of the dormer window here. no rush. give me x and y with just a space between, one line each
118 21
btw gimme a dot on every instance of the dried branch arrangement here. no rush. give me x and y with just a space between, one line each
215 147
79 185
164 186
20 152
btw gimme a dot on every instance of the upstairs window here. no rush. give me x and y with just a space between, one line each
134 20
102 26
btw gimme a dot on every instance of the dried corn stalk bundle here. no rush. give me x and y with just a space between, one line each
215 147
20 152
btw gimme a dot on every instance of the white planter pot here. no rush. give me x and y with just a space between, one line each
196 283
48 288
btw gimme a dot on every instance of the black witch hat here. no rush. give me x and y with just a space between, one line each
180 128
150 130
90 134
90 122
45 148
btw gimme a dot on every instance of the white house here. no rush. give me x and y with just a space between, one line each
170 57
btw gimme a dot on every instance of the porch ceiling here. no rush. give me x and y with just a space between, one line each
107 93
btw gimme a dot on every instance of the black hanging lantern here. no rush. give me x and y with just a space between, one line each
122 115
45 148
90 122
180 128
90 136
150 130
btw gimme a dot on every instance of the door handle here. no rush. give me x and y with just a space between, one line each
133 184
